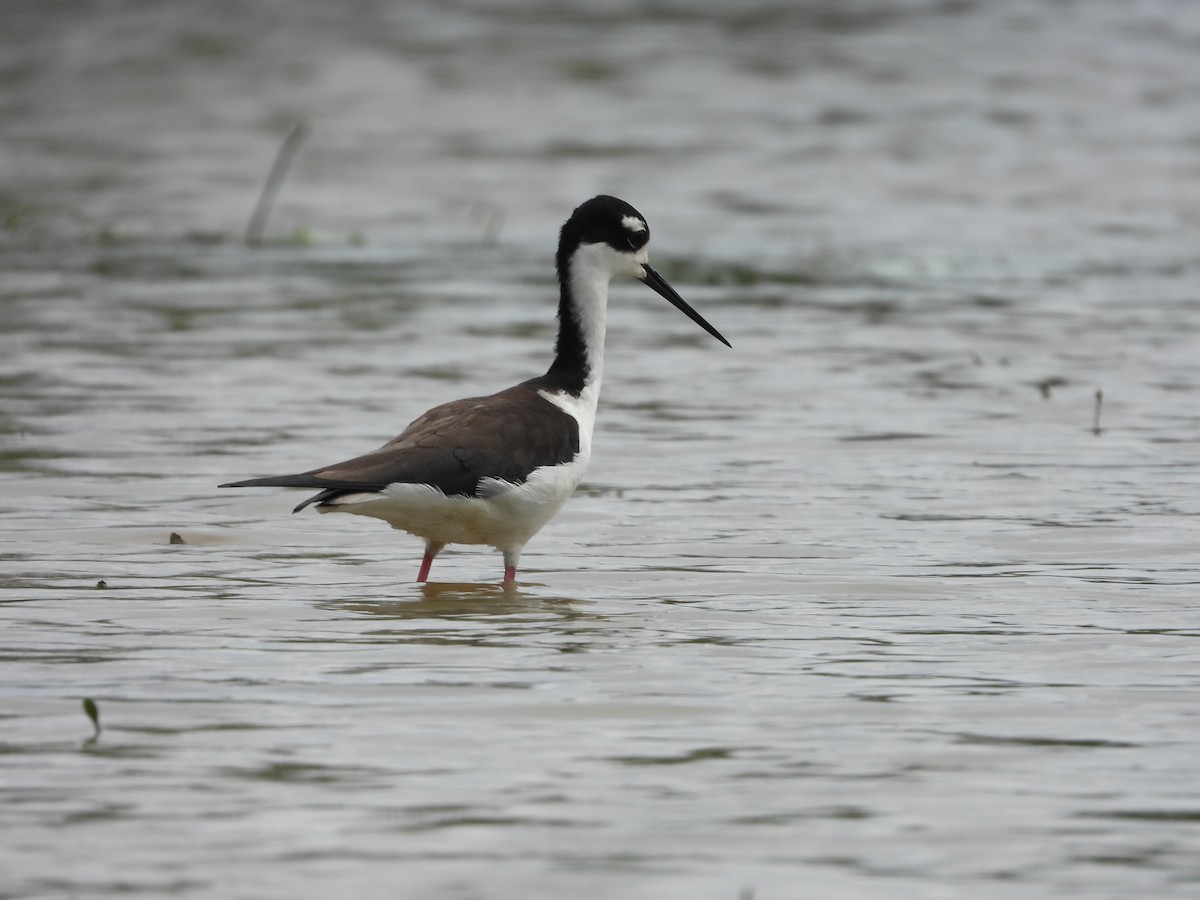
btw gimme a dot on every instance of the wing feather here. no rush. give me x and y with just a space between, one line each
453 447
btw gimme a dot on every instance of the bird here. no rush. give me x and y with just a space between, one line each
494 470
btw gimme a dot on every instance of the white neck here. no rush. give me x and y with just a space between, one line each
590 272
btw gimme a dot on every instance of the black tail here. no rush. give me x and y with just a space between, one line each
330 489
305 481
318 499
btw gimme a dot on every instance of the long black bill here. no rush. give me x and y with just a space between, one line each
660 287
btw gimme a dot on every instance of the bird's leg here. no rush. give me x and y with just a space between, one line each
510 566
432 549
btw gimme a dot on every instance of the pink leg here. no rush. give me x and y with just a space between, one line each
426 562
432 549
511 558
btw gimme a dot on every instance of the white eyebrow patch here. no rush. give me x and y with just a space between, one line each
633 223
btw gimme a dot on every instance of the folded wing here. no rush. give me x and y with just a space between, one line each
452 448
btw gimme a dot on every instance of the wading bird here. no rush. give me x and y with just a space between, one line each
493 470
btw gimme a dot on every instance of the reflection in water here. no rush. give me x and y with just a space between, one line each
442 600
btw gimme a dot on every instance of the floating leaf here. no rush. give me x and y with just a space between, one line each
93 713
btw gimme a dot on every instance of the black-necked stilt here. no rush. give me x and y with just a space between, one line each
494 470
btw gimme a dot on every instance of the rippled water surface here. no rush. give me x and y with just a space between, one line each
897 598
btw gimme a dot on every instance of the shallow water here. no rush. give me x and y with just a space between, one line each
865 607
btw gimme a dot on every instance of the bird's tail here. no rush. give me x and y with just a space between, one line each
304 481
329 489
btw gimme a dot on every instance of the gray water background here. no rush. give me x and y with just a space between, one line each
862 608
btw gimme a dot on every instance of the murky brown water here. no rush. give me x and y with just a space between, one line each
862 608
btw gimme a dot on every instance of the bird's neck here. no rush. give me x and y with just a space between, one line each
583 300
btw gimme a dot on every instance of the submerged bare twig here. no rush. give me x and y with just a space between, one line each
1096 412
266 200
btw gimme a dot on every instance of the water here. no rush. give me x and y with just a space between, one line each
864 607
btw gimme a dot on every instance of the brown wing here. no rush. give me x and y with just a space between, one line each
453 446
